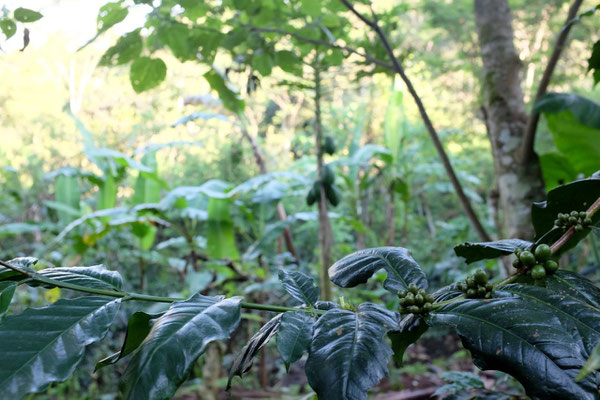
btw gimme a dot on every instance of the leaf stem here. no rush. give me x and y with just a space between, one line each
126 296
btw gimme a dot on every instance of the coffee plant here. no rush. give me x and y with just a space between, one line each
540 325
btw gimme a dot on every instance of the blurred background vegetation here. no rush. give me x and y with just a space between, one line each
164 185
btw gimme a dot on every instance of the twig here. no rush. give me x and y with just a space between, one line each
527 146
351 50
428 124
571 231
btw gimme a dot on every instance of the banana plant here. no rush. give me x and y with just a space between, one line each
540 325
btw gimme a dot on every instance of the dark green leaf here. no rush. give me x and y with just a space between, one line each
410 330
110 14
262 62
594 62
230 100
348 354
575 315
574 285
522 338
128 47
67 193
8 27
7 290
26 15
300 286
96 276
243 361
472 252
146 73
24 263
293 336
459 381
177 339
578 195
45 345
138 328
358 267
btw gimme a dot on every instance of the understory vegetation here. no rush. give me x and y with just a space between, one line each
304 199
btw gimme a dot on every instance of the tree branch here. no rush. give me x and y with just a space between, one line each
348 49
527 146
427 121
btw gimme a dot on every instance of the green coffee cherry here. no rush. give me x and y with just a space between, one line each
419 300
538 272
402 302
572 220
427 307
543 253
517 263
578 228
551 266
527 258
481 291
471 293
471 282
488 295
430 299
409 300
489 287
587 221
413 288
574 213
402 294
480 277
582 214
414 309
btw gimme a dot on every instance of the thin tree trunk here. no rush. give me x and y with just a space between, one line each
391 219
325 233
519 184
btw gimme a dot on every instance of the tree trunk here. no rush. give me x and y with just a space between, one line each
519 184
325 233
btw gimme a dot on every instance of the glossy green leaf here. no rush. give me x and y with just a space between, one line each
8 27
110 14
522 338
243 361
36 357
409 331
147 73
348 354
300 286
138 328
358 267
25 263
7 290
128 47
574 285
26 15
96 276
472 252
177 339
578 196
577 316
294 336
230 99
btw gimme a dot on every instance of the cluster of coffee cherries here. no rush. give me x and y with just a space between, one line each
538 263
578 219
415 300
476 286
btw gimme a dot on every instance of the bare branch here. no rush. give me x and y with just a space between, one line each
428 124
529 136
